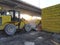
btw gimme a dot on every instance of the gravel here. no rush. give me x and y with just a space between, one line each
31 38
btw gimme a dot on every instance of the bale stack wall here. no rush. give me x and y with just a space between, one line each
51 19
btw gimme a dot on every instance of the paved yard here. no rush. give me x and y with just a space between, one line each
31 38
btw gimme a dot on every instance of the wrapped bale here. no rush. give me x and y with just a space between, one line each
51 19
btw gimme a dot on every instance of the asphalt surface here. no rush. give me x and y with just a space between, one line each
30 38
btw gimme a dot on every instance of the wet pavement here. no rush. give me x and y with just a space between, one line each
30 38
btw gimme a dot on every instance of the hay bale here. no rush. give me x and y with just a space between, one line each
51 19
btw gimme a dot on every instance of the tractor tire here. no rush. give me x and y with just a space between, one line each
10 29
28 28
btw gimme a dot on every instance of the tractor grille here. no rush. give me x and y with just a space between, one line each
0 20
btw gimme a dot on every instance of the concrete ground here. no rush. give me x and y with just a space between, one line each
30 38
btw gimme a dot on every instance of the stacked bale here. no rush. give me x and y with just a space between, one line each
51 19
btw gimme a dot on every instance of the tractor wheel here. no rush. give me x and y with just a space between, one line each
10 29
28 28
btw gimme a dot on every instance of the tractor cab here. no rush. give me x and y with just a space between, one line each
15 15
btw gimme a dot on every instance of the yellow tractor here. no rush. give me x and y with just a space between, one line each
10 21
